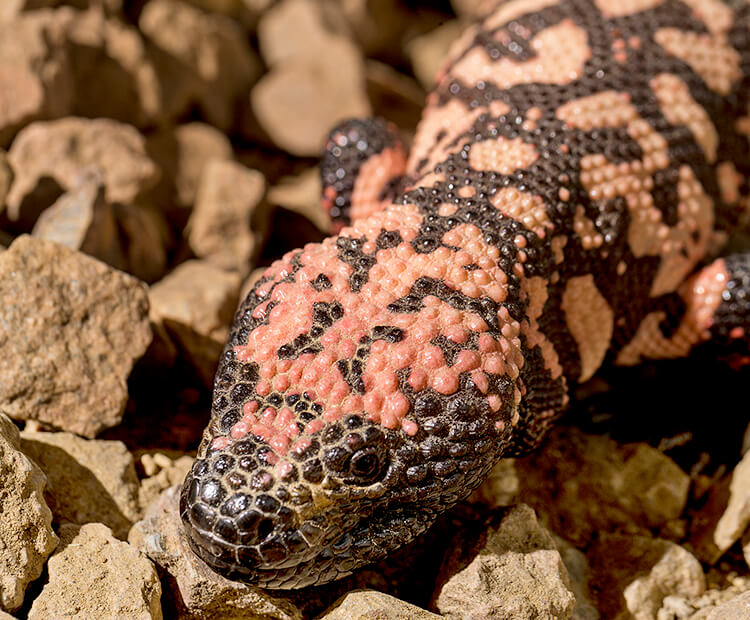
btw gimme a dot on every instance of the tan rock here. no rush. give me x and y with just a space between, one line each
245 11
220 228
73 329
715 598
61 150
10 9
427 51
501 486
736 609
379 28
579 574
199 592
94 575
394 95
298 102
714 497
26 535
195 304
108 56
147 236
652 487
6 178
88 480
634 574
580 484
301 194
162 472
371 605
511 570
35 72
736 517
83 220
197 144
472 8
182 153
292 29
211 49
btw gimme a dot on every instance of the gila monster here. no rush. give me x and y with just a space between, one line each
576 172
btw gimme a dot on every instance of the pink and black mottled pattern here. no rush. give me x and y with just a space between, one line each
577 167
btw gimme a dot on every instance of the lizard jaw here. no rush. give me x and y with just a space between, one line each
311 553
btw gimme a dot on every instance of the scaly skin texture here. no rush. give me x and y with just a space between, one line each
578 165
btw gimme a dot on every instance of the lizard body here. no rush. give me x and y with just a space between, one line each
577 168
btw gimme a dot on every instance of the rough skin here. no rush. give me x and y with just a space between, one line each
578 167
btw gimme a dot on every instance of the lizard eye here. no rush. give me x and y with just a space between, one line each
365 465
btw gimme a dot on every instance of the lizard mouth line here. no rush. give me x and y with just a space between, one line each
298 557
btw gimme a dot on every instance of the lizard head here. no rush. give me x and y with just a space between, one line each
362 392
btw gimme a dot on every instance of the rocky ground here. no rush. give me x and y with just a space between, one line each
154 155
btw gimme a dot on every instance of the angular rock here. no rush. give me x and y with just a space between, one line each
652 487
714 497
83 220
428 51
634 574
58 151
205 58
35 72
221 226
182 153
379 28
246 11
511 570
298 102
292 28
107 56
579 573
471 8
501 486
712 599
147 236
72 329
580 484
197 144
371 605
88 480
162 472
6 178
94 575
199 592
195 304
11 9
394 95
26 535
736 609
301 194
736 517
